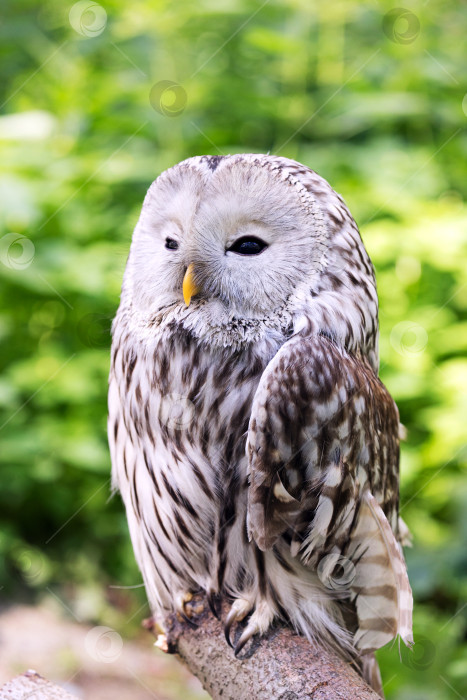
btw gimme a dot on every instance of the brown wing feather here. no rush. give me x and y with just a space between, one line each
324 432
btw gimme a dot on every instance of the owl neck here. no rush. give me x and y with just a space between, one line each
215 329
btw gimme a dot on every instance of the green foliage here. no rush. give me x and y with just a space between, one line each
374 104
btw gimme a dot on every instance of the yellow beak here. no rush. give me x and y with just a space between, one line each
190 287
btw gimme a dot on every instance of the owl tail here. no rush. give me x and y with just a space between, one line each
380 588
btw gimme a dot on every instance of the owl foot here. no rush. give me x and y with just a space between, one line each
259 623
239 610
185 609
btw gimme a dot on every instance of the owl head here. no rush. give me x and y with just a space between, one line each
229 243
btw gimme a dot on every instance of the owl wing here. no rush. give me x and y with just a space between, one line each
323 450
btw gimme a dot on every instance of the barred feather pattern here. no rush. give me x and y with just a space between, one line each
255 448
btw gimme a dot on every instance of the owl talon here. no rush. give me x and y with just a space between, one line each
184 610
245 637
186 619
239 610
259 623
227 635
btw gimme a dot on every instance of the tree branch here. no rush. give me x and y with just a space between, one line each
282 665
31 685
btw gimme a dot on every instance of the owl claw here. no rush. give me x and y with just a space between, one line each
184 610
250 630
239 610
227 635
186 619
242 641
258 624
231 618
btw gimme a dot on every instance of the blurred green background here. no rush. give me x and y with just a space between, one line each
96 104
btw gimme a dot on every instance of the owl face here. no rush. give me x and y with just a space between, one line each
235 241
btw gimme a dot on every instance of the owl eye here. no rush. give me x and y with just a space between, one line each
170 244
248 245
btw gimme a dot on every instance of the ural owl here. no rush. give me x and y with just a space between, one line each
255 448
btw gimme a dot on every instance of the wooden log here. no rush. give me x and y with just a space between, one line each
280 666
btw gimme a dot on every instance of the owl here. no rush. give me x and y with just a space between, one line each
253 444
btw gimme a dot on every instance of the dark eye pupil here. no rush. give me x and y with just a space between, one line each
248 246
170 244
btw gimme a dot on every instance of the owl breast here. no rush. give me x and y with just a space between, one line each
184 473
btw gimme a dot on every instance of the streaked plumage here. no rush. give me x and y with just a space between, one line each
254 446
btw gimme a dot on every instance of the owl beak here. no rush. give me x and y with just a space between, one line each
190 288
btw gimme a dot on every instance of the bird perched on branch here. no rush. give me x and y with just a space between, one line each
255 448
